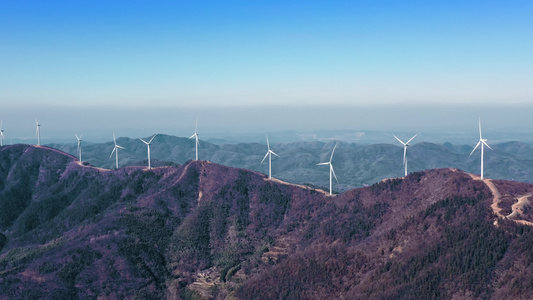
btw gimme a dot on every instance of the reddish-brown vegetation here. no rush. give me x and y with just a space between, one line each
205 230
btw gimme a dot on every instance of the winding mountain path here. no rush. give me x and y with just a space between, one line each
496 200
298 185
517 207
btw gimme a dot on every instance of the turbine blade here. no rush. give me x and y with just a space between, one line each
112 152
120 147
196 128
265 157
152 139
192 136
331 158
333 171
487 145
411 138
480 129
404 153
268 145
274 153
143 141
320 164
475 147
398 139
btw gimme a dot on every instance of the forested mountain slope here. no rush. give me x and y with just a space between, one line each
202 230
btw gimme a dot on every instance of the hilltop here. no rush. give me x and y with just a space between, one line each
203 230
356 165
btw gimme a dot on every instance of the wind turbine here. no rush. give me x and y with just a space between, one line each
148 144
38 132
481 142
79 145
405 145
331 169
1 134
115 149
195 135
269 154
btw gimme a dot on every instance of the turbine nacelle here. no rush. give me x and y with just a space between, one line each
195 135
266 155
405 145
269 155
79 145
482 142
331 170
115 149
148 144
38 132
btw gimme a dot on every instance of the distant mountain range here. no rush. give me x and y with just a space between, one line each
201 230
355 165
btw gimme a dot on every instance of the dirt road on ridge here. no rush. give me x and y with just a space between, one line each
517 207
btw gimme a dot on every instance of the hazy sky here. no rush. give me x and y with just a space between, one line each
95 56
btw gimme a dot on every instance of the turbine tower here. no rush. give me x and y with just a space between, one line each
1 134
195 135
115 149
405 145
481 142
148 144
269 154
79 145
331 171
38 132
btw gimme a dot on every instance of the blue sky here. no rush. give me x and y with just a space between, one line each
205 54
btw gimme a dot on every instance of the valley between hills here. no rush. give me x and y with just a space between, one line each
201 230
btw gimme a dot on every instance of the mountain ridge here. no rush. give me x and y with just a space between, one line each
356 165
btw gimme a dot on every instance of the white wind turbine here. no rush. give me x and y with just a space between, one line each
405 145
148 144
269 154
38 132
331 169
195 135
1 134
115 149
481 142
79 145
